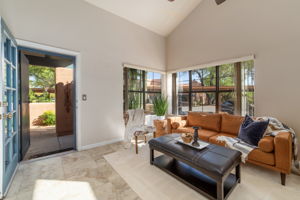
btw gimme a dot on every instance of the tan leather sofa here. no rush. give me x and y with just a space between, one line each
273 153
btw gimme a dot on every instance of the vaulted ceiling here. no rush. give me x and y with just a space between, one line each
159 16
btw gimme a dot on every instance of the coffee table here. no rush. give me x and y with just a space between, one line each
208 171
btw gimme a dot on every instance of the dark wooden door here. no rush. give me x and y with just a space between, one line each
24 103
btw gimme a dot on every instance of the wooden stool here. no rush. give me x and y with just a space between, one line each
136 135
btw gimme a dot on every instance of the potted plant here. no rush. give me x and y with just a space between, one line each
160 106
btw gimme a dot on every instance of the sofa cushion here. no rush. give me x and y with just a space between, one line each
206 134
214 140
262 157
266 144
204 120
193 118
252 131
183 130
231 124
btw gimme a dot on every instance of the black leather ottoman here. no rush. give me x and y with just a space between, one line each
207 171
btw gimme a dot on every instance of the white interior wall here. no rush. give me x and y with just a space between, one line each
104 42
269 29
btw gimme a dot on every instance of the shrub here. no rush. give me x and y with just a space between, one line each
48 118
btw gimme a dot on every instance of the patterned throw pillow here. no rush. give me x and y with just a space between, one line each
252 131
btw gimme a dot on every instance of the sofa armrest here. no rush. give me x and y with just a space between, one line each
160 127
180 119
283 151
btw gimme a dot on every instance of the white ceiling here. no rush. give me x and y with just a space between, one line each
159 16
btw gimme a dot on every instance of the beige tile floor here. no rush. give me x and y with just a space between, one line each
84 175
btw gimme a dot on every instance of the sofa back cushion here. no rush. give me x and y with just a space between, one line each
204 120
231 124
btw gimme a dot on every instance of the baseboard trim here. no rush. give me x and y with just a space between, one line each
90 146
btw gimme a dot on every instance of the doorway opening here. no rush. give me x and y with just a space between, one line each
47 111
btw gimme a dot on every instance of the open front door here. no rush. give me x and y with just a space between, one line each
9 139
24 91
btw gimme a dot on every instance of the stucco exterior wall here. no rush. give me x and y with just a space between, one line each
37 109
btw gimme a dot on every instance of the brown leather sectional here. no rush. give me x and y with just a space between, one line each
274 153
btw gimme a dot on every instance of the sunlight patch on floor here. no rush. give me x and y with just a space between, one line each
58 189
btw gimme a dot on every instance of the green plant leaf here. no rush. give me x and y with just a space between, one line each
160 105
48 118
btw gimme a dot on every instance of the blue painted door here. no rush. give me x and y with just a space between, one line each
9 140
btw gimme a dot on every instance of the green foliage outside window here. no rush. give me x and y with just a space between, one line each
204 89
227 74
135 101
142 86
135 83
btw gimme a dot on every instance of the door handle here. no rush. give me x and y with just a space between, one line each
7 116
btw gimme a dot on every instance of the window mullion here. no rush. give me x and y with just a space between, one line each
174 94
217 89
190 90
238 81
125 97
144 89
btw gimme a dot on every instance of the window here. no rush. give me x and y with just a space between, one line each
140 88
135 88
152 89
247 77
203 89
225 88
183 91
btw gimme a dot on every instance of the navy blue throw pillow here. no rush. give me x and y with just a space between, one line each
252 131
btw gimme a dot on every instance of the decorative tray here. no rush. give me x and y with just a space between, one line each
202 144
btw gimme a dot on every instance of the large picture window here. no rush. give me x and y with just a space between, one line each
225 88
140 88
